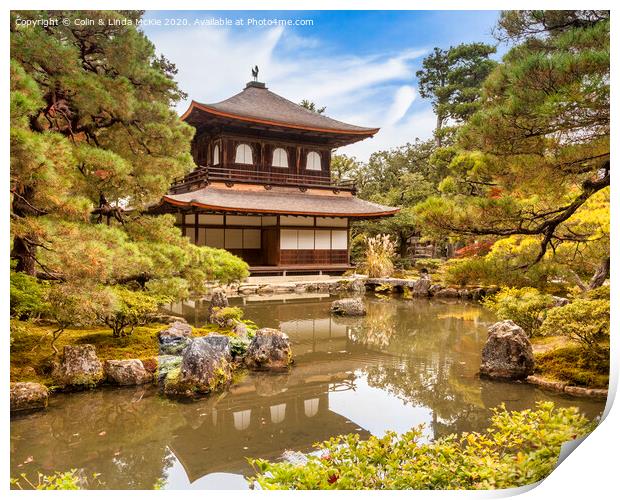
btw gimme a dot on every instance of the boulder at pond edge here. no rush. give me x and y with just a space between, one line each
79 366
507 353
127 372
28 396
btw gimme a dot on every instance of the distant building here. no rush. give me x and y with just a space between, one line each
263 188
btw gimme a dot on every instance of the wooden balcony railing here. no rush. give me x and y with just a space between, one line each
203 175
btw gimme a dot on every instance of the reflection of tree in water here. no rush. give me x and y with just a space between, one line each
125 441
376 329
437 350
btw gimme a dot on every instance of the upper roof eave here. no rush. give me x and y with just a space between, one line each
195 105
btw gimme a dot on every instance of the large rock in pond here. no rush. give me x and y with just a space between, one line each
421 288
218 300
79 366
270 349
28 396
348 307
127 372
175 338
507 353
205 367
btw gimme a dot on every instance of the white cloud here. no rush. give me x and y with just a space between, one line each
403 99
418 125
371 90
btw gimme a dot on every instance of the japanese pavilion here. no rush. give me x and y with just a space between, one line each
263 189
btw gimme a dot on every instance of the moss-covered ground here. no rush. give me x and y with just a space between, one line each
32 354
569 364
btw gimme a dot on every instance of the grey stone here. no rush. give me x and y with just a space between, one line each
357 286
28 396
434 289
270 349
560 301
294 457
507 353
447 293
348 307
79 366
241 330
205 367
218 298
175 338
421 287
265 290
127 372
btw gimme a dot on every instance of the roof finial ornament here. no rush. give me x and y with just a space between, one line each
255 73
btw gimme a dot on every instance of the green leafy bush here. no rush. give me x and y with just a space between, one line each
519 448
128 310
27 296
431 265
226 316
239 346
527 307
59 481
504 266
584 321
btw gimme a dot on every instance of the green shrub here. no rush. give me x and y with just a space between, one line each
508 264
226 316
584 321
527 307
128 310
519 448
58 481
239 346
27 296
431 265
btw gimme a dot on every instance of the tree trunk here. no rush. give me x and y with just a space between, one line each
402 250
23 253
438 127
600 275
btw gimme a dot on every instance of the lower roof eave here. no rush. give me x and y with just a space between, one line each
215 208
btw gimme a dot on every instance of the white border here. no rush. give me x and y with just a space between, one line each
589 472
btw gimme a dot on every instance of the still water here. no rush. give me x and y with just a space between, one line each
406 363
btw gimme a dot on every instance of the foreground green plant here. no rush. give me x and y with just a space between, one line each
69 480
519 448
527 307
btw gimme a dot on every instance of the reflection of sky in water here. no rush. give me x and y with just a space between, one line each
377 410
177 480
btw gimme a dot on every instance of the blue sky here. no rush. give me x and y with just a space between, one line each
360 64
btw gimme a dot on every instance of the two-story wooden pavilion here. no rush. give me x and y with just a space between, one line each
263 189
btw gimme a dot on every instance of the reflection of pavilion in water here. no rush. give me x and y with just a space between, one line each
261 417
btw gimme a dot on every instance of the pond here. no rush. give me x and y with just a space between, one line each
408 362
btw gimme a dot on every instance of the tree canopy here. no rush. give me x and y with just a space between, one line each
94 143
533 161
